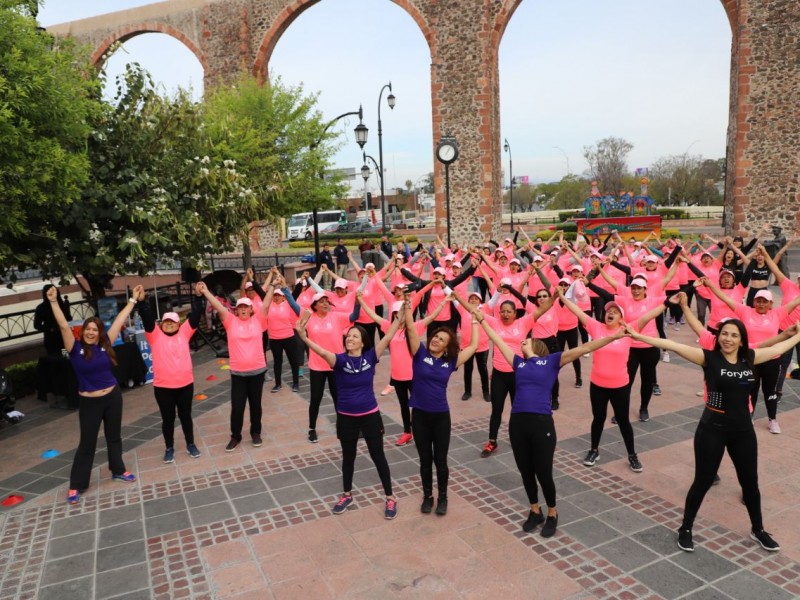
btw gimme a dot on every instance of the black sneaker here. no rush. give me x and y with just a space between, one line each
257 441
427 505
633 460
766 541
441 507
549 527
466 396
533 520
486 396
591 458
716 480
232 445
613 420
656 390
644 416
296 388
685 542
276 388
578 383
312 436
554 405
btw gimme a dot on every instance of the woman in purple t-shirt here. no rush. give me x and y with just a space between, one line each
430 412
357 411
100 397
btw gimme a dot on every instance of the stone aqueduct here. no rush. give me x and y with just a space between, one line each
763 141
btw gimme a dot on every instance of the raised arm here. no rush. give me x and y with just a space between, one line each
690 353
764 354
583 318
574 353
688 314
773 267
469 351
498 342
63 325
368 309
328 356
383 343
212 300
412 337
718 292
123 315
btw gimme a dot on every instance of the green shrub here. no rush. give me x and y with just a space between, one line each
23 378
571 214
668 214
618 212
353 239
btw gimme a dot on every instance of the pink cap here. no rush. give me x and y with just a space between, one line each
617 306
171 316
400 286
538 258
505 281
708 254
576 268
458 264
440 270
640 281
651 258
597 254
515 261
244 302
637 244
397 306
340 284
450 257
318 296
248 285
476 294
765 294
278 292
553 252
369 266
566 280
509 240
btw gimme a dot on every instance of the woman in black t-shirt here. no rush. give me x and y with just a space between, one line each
725 423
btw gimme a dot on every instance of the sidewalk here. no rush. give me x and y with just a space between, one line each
256 523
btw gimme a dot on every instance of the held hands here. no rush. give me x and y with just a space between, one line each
52 294
200 288
138 293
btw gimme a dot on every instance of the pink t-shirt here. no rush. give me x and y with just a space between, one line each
790 292
328 332
609 363
760 327
172 361
711 271
399 355
244 342
546 325
466 330
566 318
720 310
635 309
281 320
436 298
512 335
345 304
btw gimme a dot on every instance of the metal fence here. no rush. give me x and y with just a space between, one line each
18 325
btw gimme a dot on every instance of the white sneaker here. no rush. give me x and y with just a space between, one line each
665 357
699 394
677 327
389 389
587 355
774 427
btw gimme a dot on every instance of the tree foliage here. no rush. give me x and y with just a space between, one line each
608 163
683 179
570 192
48 97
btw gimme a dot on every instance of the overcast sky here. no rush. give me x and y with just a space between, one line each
655 72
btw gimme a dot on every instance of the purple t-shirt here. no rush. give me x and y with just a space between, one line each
93 374
535 377
431 375
354 377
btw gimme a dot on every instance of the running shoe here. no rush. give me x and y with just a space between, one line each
232 445
549 527
404 439
591 458
73 497
192 451
296 388
127 477
613 419
488 449
389 389
774 427
685 542
716 479
644 416
169 456
633 461
486 397
427 505
578 383
390 512
554 404
276 388
466 396
312 436
665 357
441 507
533 520
257 441
766 541
656 390
342 505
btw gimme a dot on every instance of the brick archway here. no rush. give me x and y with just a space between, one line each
126 33
294 9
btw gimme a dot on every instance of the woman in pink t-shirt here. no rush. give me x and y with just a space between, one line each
283 312
173 379
401 374
608 383
248 364
481 356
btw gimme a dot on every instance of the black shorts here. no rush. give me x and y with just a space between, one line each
351 428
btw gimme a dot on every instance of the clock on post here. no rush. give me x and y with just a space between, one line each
447 153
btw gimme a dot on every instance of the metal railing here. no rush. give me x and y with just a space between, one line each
18 325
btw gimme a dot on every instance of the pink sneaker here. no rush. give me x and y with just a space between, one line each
774 427
389 389
404 439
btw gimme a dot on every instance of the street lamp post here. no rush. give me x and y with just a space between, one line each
390 100
365 174
507 148
566 158
361 132
447 153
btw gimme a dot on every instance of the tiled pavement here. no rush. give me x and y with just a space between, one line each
256 523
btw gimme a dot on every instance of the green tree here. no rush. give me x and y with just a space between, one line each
153 193
684 179
48 97
608 163
570 192
280 142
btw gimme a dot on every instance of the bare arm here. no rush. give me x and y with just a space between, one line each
718 293
779 276
574 353
582 316
123 315
212 300
328 356
690 353
467 352
383 343
498 342
412 337
762 355
368 309
63 325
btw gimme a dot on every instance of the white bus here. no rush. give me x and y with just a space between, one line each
301 225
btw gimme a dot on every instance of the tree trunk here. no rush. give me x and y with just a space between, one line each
247 254
98 284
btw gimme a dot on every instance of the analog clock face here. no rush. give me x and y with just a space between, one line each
446 153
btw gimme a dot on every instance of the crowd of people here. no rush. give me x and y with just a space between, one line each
537 305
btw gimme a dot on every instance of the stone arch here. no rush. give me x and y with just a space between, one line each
294 9
131 31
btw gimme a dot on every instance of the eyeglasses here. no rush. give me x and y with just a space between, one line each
542 295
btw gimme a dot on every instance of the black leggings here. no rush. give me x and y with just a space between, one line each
432 439
582 330
317 380
553 345
170 399
91 412
533 440
246 390
709 445
374 440
403 391
293 349
660 326
786 361
702 307
481 359
766 376
483 287
620 399
598 308
502 384
647 359
570 338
